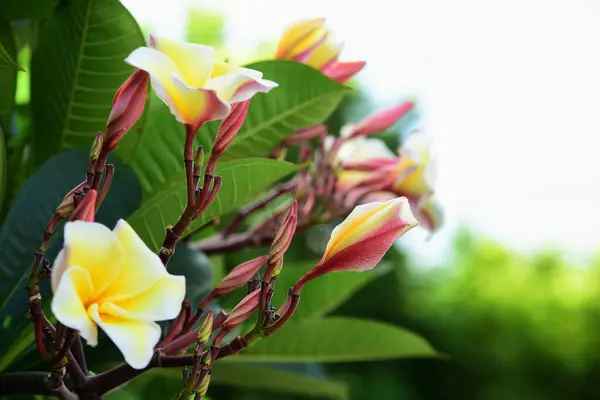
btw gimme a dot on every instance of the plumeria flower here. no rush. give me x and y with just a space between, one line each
430 213
195 86
112 280
361 158
362 239
416 171
309 42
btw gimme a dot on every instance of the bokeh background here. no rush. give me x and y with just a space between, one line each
509 288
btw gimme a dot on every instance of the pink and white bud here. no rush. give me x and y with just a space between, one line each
239 276
67 204
127 108
360 242
343 71
378 122
242 311
86 210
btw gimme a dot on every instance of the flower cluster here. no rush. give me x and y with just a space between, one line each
113 281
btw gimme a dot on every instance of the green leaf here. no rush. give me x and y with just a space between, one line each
2 167
8 73
158 160
21 232
25 9
242 179
321 295
337 339
276 380
75 71
304 97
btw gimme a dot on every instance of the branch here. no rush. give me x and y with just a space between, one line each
17 383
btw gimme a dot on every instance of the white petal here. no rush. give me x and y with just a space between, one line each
195 61
135 339
239 86
140 269
68 304
161 68
58 267
92 246
362 149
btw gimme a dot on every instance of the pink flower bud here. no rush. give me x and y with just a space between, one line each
127 108
227 130
380 121
304 134
68 203
86 210
282 241
361 241
242 311
343 71
239 276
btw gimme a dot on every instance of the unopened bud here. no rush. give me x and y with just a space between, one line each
96 146
203 388
86 210
229 127
242 311
68 202
127 108
283 239
379 121
199 158
205 329
239 276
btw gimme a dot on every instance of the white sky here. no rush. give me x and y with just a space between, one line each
510 88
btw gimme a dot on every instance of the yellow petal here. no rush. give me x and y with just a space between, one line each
364 220
140 269
197 105
135 339
92 246
324 55
194 61
69 303
299 37
160 302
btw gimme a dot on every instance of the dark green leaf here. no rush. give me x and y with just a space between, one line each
196 268
25 9
158 160
75 71
2 166
337 339
276 380
21 232
321 295
304 97
242 179
8 73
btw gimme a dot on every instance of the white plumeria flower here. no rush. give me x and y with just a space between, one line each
195 86
111 279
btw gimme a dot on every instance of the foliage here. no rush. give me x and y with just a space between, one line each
65 66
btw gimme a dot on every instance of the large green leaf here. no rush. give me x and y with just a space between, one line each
321 295
21 232
276 380
25 9
337 339
8 73
242 179
75 71
304 97
166 384
158 160
2 166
